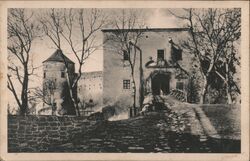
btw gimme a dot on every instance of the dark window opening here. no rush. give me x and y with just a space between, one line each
180 85
44 75
176 53
160 54
126 84
125 55
62 75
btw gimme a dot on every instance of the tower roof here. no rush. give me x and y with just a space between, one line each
58 56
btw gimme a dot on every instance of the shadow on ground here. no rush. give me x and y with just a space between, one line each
141 135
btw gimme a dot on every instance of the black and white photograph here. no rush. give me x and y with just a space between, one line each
124 80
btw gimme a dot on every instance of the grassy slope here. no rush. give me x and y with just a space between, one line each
225 119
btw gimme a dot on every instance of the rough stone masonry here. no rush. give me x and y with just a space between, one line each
37 133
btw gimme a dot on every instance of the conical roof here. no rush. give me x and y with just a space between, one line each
58 56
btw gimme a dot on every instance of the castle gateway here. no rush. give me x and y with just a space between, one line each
160 65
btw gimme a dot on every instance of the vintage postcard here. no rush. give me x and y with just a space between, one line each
124 80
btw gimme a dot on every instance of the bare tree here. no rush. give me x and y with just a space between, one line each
78 28
22 31
129 27
212 31
45 95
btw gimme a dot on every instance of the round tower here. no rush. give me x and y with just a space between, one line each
56 91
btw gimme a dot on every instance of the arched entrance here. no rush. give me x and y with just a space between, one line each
160 84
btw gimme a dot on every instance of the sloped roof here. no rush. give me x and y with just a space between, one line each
58 56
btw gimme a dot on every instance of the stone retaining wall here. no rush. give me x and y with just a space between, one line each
38 133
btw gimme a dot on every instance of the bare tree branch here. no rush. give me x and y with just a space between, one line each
21 33
74 26
212 30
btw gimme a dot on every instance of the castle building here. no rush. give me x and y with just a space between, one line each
160 67
55 83
159 56
56 90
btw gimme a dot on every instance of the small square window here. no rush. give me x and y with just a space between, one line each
62 74
126 84
125 55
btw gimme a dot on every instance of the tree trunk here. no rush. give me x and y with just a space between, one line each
52 104
73 99
134 93
134 96
24 93
203 91
228 90
229 97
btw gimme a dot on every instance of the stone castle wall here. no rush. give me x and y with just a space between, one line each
90 86
39 133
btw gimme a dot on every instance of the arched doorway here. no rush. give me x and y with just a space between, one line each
160 84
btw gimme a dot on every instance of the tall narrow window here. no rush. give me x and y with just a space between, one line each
176 53
126 84
125 55
62 75
160 54
44 75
